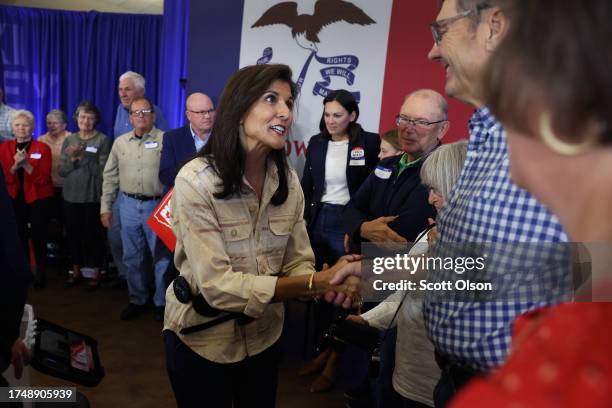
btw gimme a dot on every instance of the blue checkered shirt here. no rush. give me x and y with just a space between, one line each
6 133
486 207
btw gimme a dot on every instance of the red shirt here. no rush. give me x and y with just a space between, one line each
36 185
562 357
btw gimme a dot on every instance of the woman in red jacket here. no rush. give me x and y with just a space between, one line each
26 164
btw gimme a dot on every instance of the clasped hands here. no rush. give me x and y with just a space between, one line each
21 159
344 281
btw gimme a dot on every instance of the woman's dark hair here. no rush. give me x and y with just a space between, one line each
555 59
224 148
348 102
87 107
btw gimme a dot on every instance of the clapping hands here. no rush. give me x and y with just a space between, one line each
20 157
75 151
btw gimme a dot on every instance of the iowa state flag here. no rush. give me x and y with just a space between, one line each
376 49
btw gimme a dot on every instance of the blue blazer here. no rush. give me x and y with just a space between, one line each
313 179
177 149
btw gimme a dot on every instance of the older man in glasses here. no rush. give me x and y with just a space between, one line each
131 179
131 86
391 205
183 143
473 338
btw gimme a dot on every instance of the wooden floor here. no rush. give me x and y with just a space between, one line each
133 356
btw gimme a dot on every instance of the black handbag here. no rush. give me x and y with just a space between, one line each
66 354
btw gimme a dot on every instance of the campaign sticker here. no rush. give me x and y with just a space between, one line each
357 153
150 145
36 156
383 172
91 149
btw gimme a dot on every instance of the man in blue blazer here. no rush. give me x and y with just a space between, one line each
182 144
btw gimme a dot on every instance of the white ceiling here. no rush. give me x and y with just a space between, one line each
115 6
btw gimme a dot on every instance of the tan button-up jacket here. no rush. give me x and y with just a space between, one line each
233 251
132 167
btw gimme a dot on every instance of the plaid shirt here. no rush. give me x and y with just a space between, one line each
486 207
6 133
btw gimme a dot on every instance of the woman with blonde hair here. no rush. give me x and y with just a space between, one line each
26 164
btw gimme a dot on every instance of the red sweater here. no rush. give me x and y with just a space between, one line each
36 185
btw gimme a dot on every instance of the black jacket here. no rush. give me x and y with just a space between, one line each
383 194
15 276
357 169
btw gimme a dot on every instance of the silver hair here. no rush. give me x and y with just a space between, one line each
22 113
443 166
139 81
59 115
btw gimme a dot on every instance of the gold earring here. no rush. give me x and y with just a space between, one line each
559 146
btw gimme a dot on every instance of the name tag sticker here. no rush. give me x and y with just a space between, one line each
360 162
383 172
151 145
91 149
36 156
357 153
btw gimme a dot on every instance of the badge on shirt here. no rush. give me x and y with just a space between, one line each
360 162
357 153
91 149
151 144
383 172
36 156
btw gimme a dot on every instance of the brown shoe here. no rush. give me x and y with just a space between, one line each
322 383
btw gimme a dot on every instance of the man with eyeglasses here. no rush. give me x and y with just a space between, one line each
131 180
183 143
391 205
473 338
132 86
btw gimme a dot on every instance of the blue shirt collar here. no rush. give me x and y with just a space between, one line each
199 143
484 125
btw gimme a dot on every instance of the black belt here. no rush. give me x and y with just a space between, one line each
142 197
332 205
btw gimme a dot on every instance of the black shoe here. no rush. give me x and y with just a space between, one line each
132 311
158 313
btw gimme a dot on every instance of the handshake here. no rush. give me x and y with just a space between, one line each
342 282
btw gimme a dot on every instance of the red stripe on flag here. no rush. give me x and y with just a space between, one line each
407 67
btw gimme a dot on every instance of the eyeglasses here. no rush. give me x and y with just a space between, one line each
417 123
141 112
204 113
439 28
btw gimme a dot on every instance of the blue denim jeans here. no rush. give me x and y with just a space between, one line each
114 241
327 235
136 236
